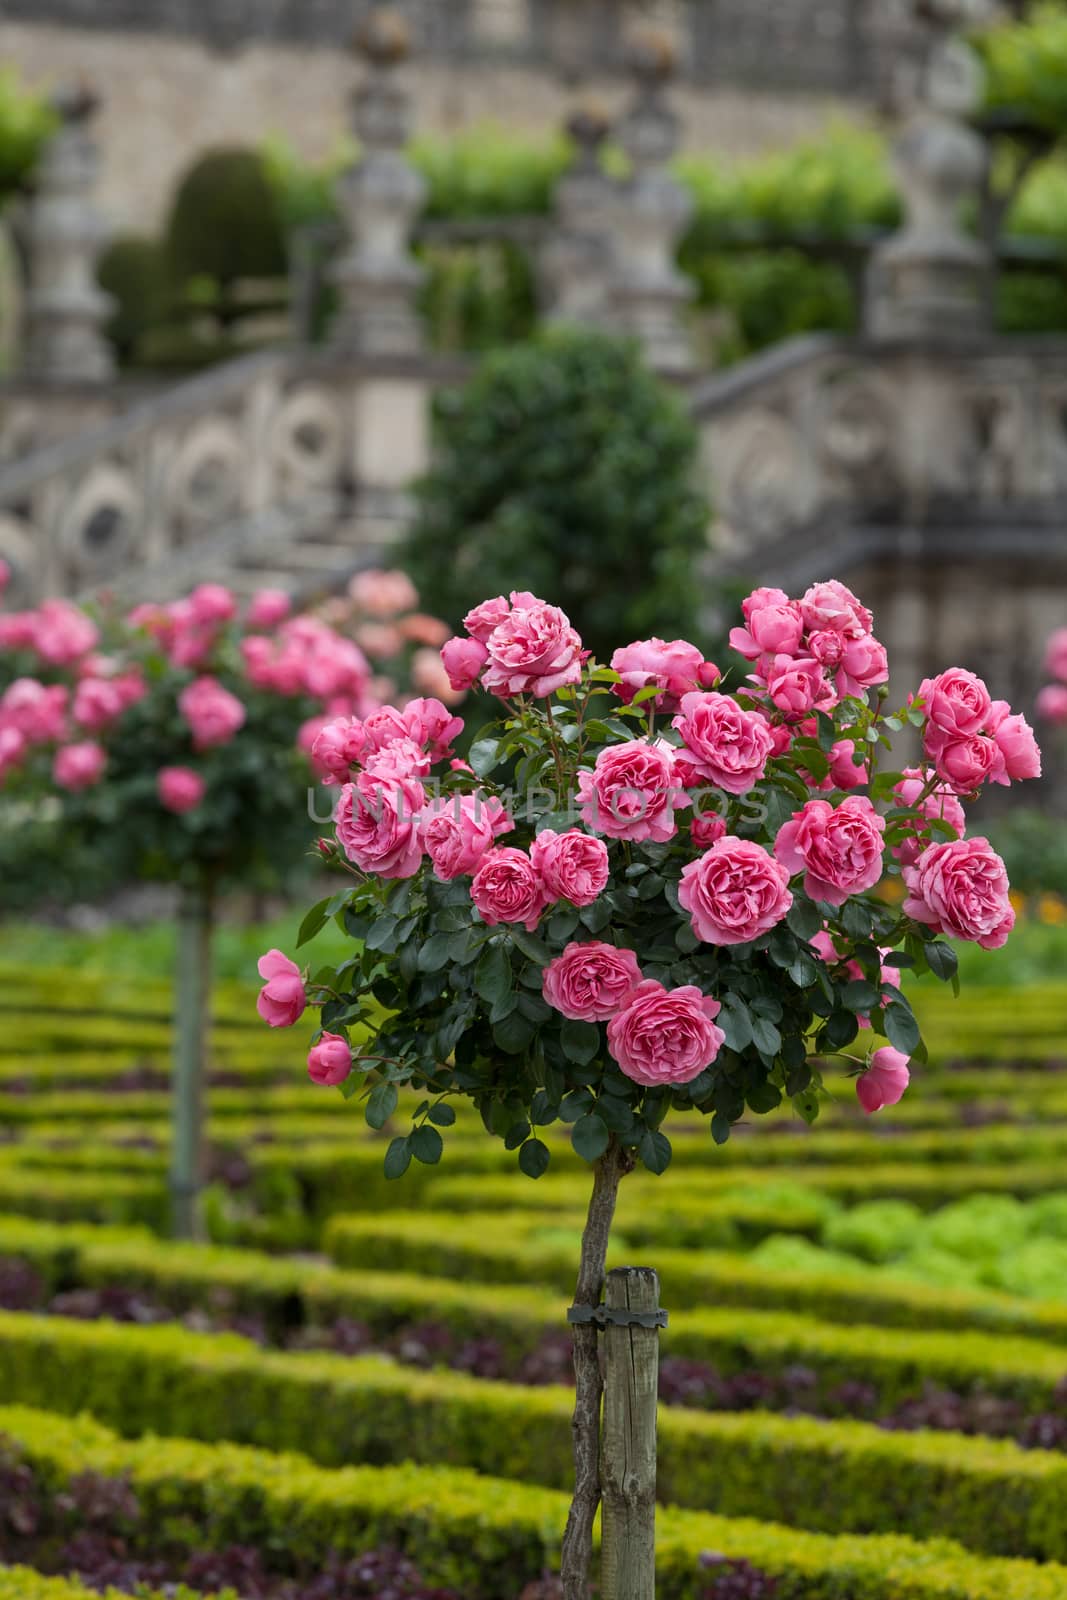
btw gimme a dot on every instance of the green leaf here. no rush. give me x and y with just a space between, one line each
779 808
442 1115
589 1137
765 1097
650 886
806 1105
426 1145
580 1041
513 1033
827 731
534 1157
533 949
493 976
861 996
561 924
840 1030
314 922
483 756
435 953
398 1157
804 918
616 1113
595 917
942 961
720 1127
655 1150
856 918
736 1024
901 1028
381 1103
765 1036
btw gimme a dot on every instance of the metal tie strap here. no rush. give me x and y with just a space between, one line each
618 1318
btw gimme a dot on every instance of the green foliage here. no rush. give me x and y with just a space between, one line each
23 1583
1026 65
564 467
25 123
225 221
1033 845
134 271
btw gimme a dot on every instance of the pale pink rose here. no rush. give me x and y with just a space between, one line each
428 675
422 629
151 618
212 603
675 669
735 892
463 660
1056 655
330 1061
884 1081
967 761
282 998
533 651
180 789
17 630
62 633
797 686
572 866
824 947
956 702
97 703
508 888
707 829
631 792
844 773
775 626
381 640
665 1036
13 748
214 714
942 802
832 607
377 824
1051 703
79 766
383 594
724 743
838 848
131 686
591 982
1016 743
458 830
36 710
338 747
960 888
268 607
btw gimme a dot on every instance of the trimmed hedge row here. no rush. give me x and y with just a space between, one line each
23 1583
57 1197
851 1476
103 1071
56 989
483 1535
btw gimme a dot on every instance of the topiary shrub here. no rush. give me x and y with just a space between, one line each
566 468
225 223
133 270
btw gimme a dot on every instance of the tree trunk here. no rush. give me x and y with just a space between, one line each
628 1464
608 1172
192 1001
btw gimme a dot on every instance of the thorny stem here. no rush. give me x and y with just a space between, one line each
608 1173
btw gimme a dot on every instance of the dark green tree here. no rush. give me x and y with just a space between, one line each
225 224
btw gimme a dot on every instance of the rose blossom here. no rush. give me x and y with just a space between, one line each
180 789
5 574
1056 654
330 1061
214 714
631 792
507 888
863 664
775 626
884 1081
735 892
956 701
338 747
383 594
268 607
941 802
665 1035
707 829
377 824
12 750
726 744
1021 757
426 723
845 773
36 710
62 633
591 982
97 702
212 603
457 830
675 669
16 630
282 998
960 888
420 628
797 686
838 848
480 622
833 607
1051 702
966 762
572 866
79 766
429 676
463 660
533 651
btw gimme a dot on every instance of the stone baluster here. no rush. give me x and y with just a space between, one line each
929 279
576 262
649 294
380 197
64 308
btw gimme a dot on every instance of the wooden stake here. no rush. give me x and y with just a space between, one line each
628 1456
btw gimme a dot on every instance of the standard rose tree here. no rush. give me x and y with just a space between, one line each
646 896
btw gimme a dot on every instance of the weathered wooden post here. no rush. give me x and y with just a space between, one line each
192 1004
632 1319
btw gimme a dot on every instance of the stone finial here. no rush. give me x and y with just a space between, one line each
64 308
930 279
380 198
576 260
648 293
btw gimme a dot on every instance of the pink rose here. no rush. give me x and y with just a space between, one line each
735 892
268 607
774 628
591 982
330 1061
844 773
214 714
675 669
481 622
965 762
62 633
283 997
941 802
725 744
458 830
36 710
12 750
422 629
827 648
1016 743
797 687
956 702
381 640
665 1035
834 608
884 1081
631 792
383 594
180 789
97 703
1056 654
16 630
863 664
707 829
533 651
463 660
428 675
572 866
960 888
838 848
338 747
377 824
5 574
212 603
426 723
507 888
79 766
1051 703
